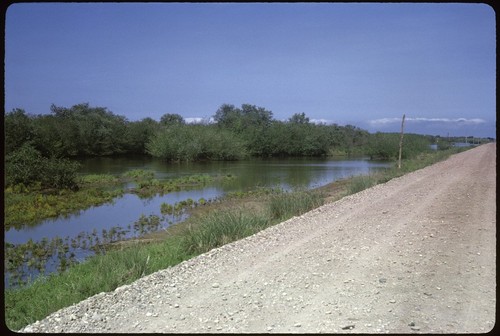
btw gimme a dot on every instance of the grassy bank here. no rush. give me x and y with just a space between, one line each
209 227
25 206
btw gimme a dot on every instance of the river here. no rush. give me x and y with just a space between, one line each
123 214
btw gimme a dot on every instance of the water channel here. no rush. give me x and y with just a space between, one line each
125 211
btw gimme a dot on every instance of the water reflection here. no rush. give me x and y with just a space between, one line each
121 212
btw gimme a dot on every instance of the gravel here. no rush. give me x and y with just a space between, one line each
416 254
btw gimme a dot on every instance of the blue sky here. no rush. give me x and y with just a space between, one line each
352 63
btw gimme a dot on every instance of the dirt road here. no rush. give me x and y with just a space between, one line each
416 254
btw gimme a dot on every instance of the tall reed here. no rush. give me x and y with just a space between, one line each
284 205
222 227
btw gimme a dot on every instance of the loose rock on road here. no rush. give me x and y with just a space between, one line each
416 254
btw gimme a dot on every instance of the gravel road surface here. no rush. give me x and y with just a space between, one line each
414 255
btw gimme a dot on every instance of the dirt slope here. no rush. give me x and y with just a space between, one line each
416 254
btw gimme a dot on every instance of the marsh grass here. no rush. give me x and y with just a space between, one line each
359 183
25 206
220 228
97 179
284 205
101 273
30 208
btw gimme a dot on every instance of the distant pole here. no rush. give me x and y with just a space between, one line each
401 141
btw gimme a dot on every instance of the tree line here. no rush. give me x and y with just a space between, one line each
83 131
49 140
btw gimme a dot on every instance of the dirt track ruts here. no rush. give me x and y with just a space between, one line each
416 254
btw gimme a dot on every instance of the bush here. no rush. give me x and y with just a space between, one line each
59 173
195 143
22 166
385 146
28 167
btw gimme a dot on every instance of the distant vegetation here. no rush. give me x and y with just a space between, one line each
39 148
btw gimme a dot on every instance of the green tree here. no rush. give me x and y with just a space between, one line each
384 146
195 143
28 167
98 131
22 166
299 118
171 119
227 116
18 130
57 136
256 117
138 134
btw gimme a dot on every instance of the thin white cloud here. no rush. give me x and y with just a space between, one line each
198 120
462 121
384 121
321 121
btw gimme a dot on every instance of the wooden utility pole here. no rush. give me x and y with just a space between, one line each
401 142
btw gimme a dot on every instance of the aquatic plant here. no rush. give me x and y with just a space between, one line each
30 208
139 174
97 179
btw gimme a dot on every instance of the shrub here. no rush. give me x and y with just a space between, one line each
22 166
194 143
28 167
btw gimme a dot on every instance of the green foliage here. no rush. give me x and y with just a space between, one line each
386 145
83 130
415 144
194 143
220 228
101 273
359 183
296 139
97 179
299 118
21 166
25 207
287 204
138 134
139 174
99 131
79 130
240 120
171 119
27 166
18 130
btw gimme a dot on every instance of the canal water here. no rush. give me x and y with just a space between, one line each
124 212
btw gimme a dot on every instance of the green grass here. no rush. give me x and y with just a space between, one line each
30 208
359 183
97 179
220 228
100 273
285 205
24 206
108 271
